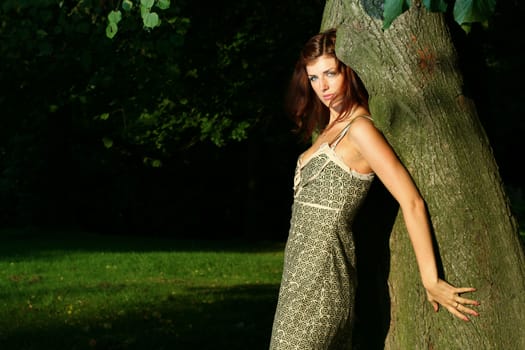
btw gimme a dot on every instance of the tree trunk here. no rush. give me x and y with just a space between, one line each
417 100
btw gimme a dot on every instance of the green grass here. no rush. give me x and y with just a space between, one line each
83 291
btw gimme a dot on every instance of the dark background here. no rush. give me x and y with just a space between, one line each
231 59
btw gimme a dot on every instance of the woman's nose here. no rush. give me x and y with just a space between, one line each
324 84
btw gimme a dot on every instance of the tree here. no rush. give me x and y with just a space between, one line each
418 100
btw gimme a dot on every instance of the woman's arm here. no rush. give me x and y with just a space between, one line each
380 157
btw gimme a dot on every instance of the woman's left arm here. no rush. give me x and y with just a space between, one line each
379 155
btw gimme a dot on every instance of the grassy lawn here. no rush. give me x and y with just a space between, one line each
84 291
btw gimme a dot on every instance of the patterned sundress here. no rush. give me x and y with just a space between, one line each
315 308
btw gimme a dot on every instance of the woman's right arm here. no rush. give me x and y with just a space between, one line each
379 155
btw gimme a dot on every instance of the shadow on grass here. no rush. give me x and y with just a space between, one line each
35 243
231 318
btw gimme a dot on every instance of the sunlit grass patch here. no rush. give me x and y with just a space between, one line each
87 292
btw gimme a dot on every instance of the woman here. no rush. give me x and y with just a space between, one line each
316 297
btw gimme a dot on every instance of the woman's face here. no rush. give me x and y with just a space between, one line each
325 79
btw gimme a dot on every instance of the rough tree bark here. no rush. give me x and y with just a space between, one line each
417 100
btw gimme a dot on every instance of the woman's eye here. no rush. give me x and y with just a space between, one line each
331 74
313 78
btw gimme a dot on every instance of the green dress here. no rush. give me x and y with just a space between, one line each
315 309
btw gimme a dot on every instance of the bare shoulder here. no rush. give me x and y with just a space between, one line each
366 138
362 125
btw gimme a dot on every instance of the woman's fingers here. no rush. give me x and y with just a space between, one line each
465 290
454 302
455 311
459 310
465 301
459 304
435 305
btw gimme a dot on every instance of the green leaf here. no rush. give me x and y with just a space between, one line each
104 116
114 17
108 143
155 163
111 30
435 5
192 73
470 11
127 5
150 20
163 4
392 10
144 10
147 3
240 131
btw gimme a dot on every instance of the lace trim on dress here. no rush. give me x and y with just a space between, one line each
329 150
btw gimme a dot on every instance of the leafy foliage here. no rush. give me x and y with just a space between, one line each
392 10
150 18
129 133
471 11
465 12
89 122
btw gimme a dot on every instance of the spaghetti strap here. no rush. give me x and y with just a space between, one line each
343 132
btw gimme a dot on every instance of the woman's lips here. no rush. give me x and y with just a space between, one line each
328 97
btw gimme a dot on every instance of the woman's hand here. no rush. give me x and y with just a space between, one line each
442 293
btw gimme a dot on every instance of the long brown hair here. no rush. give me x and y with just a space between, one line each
306 110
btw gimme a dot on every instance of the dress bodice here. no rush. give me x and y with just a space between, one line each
324 180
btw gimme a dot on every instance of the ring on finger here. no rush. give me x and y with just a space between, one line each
457 305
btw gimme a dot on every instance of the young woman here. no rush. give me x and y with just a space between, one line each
316 297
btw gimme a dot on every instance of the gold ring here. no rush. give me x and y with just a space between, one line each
457 304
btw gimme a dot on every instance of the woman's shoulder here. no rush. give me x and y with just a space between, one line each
359 113
362 125
361 116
